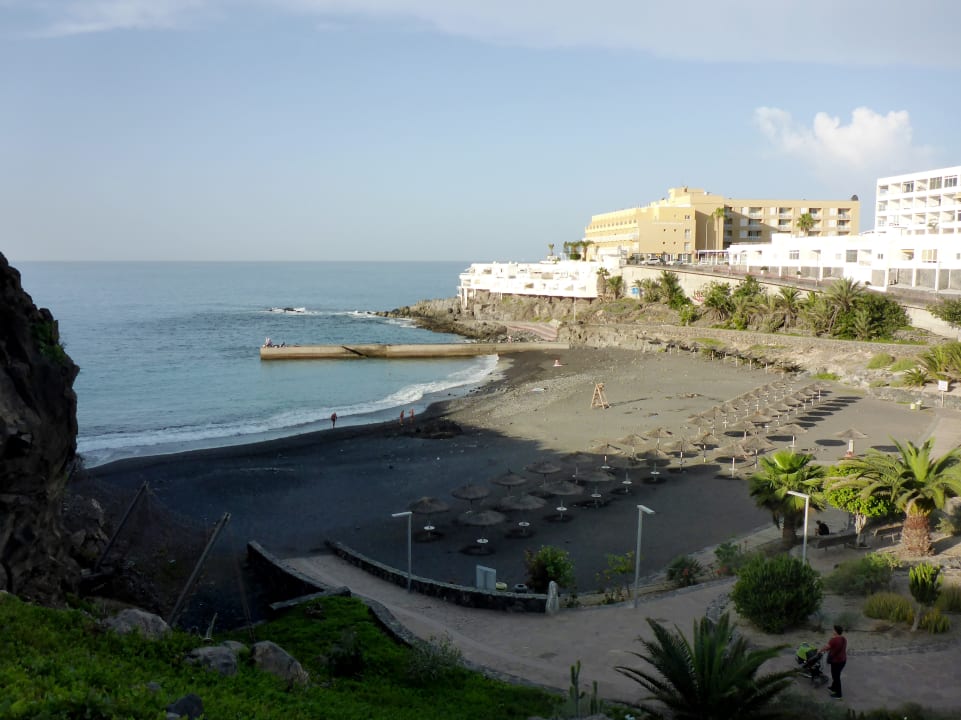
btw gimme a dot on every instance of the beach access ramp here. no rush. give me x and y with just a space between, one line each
403 352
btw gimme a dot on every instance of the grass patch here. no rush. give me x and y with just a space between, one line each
61 664
903 364
708 342
879 361
889 606
826 376
950 599
862 576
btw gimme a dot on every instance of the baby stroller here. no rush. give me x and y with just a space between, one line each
809 658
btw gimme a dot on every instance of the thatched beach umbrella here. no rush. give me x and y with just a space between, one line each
482 519
509 480
543 468
428 506
562 489
757 444
471 492
683 446
792 429
524 503
733 450
850 435
657 434
605 448
598 477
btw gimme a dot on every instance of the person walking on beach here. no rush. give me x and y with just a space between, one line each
410 416
333 420
837 650
402 417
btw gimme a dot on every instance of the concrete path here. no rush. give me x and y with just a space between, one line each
540 649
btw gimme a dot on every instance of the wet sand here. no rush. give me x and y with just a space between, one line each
292 495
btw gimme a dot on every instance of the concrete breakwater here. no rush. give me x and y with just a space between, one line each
399 352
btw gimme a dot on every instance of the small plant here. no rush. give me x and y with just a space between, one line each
577 699
434 660
729 558
879 361
903 364
915 377
826 376
863 576
934 622
924 581
777 593
950 522
950 599
548 563
614 577
684 571
889 606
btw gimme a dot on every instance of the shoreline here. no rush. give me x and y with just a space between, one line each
291 494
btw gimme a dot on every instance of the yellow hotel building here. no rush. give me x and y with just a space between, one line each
689 223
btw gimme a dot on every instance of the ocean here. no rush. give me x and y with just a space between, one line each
168 352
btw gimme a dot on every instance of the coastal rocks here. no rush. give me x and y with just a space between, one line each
38 433
133 620
221 659
273 659
189 706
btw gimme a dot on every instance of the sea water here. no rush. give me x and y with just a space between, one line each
168 352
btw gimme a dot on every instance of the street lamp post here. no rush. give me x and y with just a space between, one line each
804 541
407 514
641 509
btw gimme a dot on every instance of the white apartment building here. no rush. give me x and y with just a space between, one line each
551 278
920 203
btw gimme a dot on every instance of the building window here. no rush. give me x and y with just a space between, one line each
687 217
907 187
880 256
934 183
754 233
951 181
851 256
929 255
793 254
687 233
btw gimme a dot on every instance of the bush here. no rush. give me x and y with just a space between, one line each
903 364
950 599
548 563
776 593
881 360
863 576
950 522
889 606
684 571
729 558
433 661
934 622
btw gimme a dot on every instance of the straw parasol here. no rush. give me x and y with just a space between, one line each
732 450
543 468
481 518
428 506
605 448
850 435
657 434
598 477
562 488
682 446
471 492
509 480
792 429
525 503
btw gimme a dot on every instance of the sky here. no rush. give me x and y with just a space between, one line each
289 130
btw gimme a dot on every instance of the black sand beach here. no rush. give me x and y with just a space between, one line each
292 495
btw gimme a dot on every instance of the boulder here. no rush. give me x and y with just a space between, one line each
189 706
219 658
273 659
133 620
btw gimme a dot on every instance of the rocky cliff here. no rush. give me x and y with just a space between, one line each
38 435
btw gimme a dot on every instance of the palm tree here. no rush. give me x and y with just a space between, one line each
841 296
815 313
712 677
717 301
671 291
615 284
805 223
782 471
789 302
585 246
943 361
718 215
917 484
650 289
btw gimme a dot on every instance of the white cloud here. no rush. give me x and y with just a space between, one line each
859 32
871 145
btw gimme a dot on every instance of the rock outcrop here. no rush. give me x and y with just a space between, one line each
38 436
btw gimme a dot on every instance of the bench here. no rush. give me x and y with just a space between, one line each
826 541
890 530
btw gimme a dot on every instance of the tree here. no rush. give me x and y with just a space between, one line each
788 301
585 246
717 301
782 471
943 361
649 290
718 215
615 284
840 493
841 297
815 313
948 310
548 563
915 482
712 677
777 593
671 291
805 223
550 249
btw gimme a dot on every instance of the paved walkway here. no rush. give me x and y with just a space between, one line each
540 649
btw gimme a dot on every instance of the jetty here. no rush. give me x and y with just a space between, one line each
402 352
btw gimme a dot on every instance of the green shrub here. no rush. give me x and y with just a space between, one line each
903 364
863 576
950 522
889 606
729 558
684 571
881 360
826 376
934 622
776 593
950 599
924 582
548 563
434 661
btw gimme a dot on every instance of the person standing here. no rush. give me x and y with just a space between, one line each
333 420
837 650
